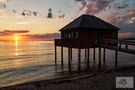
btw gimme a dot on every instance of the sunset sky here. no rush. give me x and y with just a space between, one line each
32 15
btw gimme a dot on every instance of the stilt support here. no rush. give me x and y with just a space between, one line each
88 61
55 55
69 59
79 59
94 51
71 55
99 63
62 56
104 55
116 59
85 55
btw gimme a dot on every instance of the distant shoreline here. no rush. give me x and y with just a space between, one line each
26 40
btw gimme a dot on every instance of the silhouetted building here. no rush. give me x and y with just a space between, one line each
85 32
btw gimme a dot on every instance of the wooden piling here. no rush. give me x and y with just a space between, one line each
55 55
104 55
85 55
79 59
88 62
116 58
99 63
94 51
126 46
71 56
62 56
120 44
69 60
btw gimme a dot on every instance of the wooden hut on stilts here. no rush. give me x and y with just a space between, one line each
85 32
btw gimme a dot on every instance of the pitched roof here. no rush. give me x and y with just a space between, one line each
89 21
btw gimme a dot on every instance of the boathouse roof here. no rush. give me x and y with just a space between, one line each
89 21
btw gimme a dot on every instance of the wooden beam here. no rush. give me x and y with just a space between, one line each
99 63
116 58
55 55
88 59
71 55
129 51
79 59
85 54
94 51
126 46
69 60
62 56
104 55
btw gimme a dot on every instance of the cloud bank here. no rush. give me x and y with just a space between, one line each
119 13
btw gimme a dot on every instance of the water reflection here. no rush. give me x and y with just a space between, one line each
16 48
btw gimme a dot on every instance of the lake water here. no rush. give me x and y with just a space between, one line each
31 61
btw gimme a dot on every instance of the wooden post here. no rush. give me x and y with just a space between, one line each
79 59
62 56
104 54
99 64
126 46
85 54
120 44
88 62
69 57
55 55
116 58
94 51
104 58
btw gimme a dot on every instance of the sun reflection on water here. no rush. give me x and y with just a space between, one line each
16 47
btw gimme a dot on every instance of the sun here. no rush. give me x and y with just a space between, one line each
16 37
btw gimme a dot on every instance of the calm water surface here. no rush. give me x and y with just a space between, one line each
29 61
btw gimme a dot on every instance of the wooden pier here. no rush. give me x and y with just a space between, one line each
104 44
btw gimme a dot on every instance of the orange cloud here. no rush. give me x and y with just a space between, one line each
16 31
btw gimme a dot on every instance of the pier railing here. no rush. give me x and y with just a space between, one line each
120 45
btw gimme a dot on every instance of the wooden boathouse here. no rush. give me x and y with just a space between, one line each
85 32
